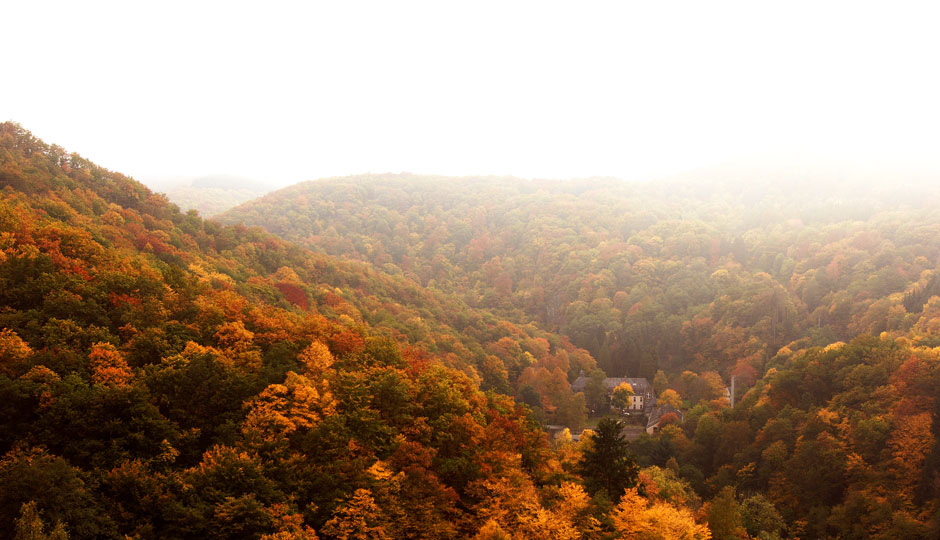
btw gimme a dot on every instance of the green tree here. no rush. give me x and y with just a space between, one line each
724 516
606 463
595 392
32 475
660 381
760 518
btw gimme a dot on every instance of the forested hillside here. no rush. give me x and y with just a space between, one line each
670 276
388 374
166 377
762 279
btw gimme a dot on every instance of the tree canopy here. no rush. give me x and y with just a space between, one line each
387 366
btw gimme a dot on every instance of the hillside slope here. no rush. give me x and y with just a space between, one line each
166 377
162 376
754 278
675 275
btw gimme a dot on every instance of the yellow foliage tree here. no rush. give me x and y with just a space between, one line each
635 518
620 397
542 524
505 500
191 351
282 409
358 519
13 351
574 508
491 531
290 525
285 274
316 359
108 366
670 397
910 444
238 345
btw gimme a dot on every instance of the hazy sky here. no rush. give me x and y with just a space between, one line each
293 91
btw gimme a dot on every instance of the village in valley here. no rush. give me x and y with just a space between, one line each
631 400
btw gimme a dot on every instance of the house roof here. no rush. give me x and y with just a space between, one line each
657 413
640 385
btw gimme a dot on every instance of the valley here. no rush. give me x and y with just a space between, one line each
406 356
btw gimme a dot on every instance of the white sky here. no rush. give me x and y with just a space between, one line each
292 91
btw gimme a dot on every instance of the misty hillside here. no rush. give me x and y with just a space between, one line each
692 283
162 376
665 271
624 268
400 363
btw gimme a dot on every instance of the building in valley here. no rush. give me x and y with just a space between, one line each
642 400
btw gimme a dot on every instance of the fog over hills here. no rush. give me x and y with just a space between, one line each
659 270
408 352
835 181
213 194
805 284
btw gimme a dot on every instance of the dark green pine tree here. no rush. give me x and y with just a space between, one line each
607 464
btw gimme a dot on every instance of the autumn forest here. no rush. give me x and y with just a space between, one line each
401 356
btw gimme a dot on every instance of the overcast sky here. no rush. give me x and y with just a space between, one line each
292 91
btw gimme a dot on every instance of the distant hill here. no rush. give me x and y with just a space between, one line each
227 181
213 194
622 268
